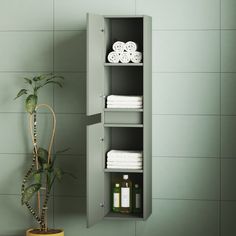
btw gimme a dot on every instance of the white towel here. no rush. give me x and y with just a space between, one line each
131 46
125 57
118 46
127 167
125 159
124 98
124 103
113 57
136 57
125 153
125 106
117 163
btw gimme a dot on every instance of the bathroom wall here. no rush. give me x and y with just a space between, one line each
194 112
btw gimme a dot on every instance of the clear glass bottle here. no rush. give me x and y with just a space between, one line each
126 195
116 198
137 199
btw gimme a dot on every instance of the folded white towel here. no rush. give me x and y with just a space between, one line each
125 159
136 57
131 163
125 153
113 57
118 46
125 57
124 98
131 46
127 167
124 106
124 103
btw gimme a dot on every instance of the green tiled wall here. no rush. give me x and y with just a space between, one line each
194 112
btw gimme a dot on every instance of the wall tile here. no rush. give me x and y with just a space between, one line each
228 136
12 210
228 210
186 178
12 83
72 15
228 14
181 217
177 93
15 134
186 51
12 176
171 14
70 51
26 15
228 179
196 136
26 51
228 53
71 133
72 98
70 215
228 96
70 186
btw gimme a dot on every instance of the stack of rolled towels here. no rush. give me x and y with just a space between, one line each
124 101
124 53
125 159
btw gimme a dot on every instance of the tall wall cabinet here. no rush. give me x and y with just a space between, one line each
126 129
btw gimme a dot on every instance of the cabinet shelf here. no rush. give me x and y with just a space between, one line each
120 216
122 64
123 109
123 170
124 125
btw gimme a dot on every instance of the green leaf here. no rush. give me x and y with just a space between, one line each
54 82
42 155
36 78
58 173
21 92
55 77
31 103
29 192
33 173
29 81
37 178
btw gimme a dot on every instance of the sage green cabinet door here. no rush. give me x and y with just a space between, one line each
95 174
95 63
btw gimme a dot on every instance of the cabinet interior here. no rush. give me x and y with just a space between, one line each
123 29
110 180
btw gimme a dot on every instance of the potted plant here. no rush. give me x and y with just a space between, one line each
40 177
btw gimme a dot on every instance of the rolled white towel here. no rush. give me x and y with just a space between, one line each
124 98
125 57
118 46
131 46
113 57
136 57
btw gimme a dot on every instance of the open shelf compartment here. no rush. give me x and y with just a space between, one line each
110 180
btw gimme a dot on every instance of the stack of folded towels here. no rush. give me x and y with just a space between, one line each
119 101
124 159
124 53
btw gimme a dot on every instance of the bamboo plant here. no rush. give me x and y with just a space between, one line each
40 177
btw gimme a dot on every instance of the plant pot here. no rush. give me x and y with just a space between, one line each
51 232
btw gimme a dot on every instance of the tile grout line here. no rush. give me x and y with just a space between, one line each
220 184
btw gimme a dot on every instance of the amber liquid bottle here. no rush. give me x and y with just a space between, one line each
116 198
126 195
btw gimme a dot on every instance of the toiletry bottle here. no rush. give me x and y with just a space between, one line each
137 199
126 195
116 198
